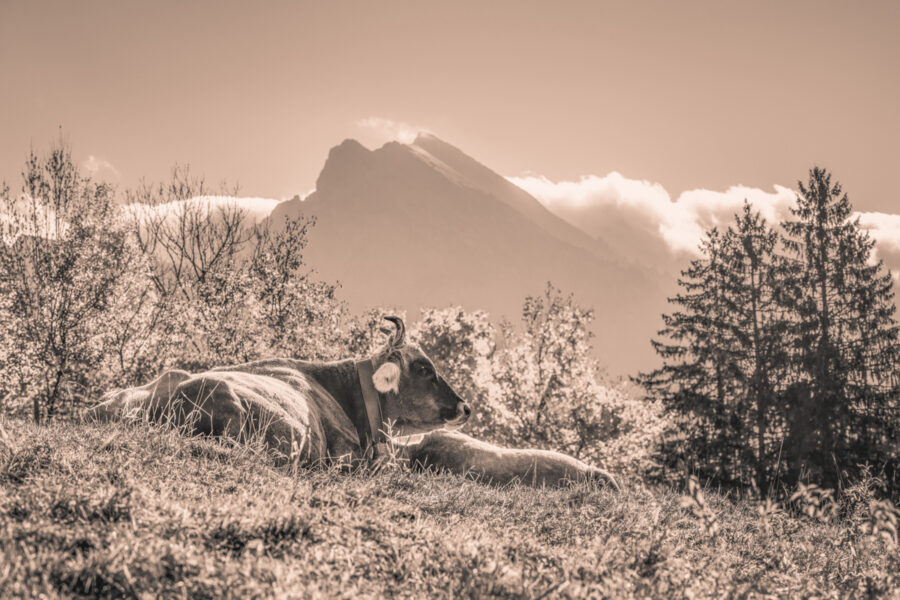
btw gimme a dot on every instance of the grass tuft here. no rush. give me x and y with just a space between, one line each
21 464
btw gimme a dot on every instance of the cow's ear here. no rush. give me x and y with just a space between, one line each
387 378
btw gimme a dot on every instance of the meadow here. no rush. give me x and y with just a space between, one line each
141 511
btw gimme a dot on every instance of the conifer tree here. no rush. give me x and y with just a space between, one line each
724 353
844 351
692 383
759 323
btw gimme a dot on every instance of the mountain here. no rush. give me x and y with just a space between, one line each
423 224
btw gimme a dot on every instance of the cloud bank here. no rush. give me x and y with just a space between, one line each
254 209
27 217
885 228
679 223
614 206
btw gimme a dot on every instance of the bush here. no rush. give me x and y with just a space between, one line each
538 386
63 258
97 292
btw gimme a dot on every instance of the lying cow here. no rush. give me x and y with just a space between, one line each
310 411
315 412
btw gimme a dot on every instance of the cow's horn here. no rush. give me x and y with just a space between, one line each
399 337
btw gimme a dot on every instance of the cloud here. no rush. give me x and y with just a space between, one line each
883 227
698 210
647 206
96 165
391 130
885 230
256 209
640 220
29 217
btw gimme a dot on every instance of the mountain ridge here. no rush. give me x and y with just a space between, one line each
424 224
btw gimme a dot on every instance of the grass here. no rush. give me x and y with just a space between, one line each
134 510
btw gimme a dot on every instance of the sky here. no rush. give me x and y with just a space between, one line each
685 95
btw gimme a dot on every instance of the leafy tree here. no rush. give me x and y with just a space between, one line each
195 248
61 260
547 380
230 289
301 314
496 370
365 334
462 344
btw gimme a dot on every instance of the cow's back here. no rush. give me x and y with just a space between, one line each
273 401
150 400
304 400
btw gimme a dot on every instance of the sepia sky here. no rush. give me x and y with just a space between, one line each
688 95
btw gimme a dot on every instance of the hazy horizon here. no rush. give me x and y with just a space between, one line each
615 208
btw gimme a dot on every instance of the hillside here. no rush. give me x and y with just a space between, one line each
426 225
134 511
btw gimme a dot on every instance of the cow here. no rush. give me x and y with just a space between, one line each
458 453
306 411
319 412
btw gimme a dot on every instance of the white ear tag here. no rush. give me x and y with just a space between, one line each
387 378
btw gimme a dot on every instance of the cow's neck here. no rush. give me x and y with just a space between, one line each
342 380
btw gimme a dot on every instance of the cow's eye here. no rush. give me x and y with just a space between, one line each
423 369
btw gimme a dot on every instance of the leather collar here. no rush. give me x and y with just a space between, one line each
370 426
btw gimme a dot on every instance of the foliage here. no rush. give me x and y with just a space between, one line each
547 376
779 362
641 425
462 345
538 386
725 355
238 290
365 334
98 293
844 396
301 315
62 257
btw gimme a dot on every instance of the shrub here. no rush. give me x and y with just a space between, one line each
538 386
62 258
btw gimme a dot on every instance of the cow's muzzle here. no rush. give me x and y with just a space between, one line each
462 415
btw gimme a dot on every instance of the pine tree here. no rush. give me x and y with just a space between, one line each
724 352
843 402
759 326
692 383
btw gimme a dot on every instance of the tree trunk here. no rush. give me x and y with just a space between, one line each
760 383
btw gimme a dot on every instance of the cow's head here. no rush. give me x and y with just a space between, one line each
416 399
